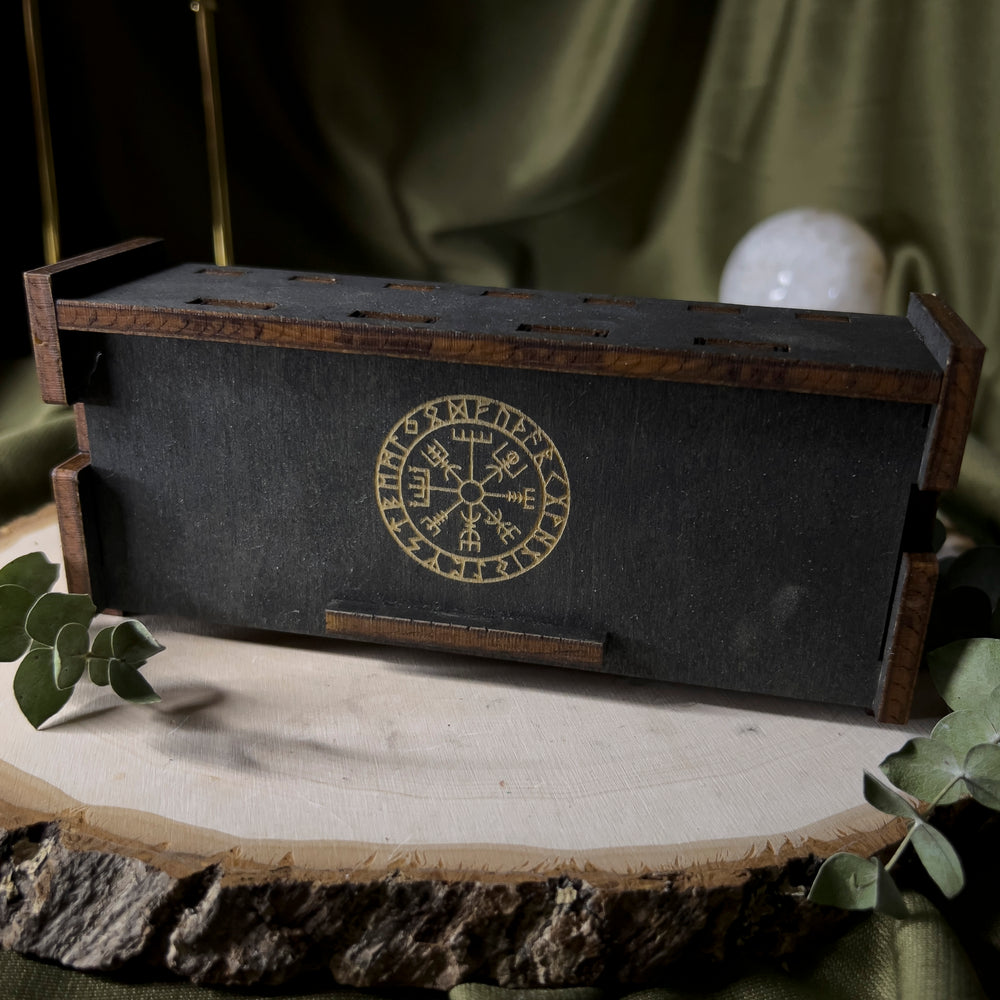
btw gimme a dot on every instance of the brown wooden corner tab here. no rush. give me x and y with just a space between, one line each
476 640
66 490
80 418
45 338
908 625
78 276
940 328
960 353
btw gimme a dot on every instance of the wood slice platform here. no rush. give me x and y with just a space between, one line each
402 817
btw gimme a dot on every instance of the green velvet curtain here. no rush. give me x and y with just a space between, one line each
616 146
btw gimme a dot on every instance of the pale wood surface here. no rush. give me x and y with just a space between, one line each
356 757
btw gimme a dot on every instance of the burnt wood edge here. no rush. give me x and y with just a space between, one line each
564 651
911 610
461 347
77 276
68 484
960 354
255 926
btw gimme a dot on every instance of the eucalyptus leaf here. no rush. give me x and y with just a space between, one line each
982 774
99 669
128 683
886 799
924 768
33 571
102 643
853 883
49 633
992 709
846 881
966 672
69 654
939 858
51 611
15 603
35 687
132 643
961 731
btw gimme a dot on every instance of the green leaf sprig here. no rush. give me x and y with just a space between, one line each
960 758
49 633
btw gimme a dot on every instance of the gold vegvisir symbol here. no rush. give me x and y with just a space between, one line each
472 489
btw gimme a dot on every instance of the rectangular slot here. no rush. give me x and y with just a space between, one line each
824 317
220 272
575 331
714 307
595 300
743 345
392 317
503 293
316 279
401 286
232 303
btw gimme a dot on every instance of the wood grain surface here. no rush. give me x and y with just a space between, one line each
326 734
503 643
405 784
915 594
66 485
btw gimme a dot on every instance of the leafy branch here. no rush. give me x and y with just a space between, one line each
50 634
960 758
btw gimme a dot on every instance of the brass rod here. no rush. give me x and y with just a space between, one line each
222 231
43 133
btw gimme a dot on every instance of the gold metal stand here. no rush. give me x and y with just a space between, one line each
43 133
222 231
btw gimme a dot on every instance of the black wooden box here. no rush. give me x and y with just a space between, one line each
719 495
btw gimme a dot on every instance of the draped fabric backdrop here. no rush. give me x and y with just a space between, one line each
615 146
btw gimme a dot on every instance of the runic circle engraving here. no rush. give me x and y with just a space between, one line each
472 489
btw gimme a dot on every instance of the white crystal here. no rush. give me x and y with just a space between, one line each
806 259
